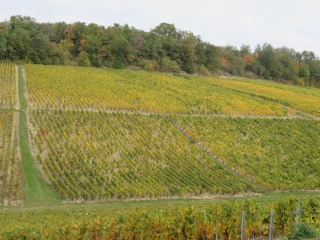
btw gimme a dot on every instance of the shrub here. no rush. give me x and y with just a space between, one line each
249 74
301 82
302 231
118 63
148 65
83 60
168 65
203 71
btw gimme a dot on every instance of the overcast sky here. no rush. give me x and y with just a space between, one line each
291 23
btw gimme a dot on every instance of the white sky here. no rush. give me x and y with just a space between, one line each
280 22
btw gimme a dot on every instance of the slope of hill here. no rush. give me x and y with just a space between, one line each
98 134
113 134
103 133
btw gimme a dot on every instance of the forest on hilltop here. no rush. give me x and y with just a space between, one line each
164 48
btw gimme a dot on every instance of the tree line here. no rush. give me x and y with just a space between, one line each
164 48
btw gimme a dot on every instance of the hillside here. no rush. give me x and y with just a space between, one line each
148 153
105 134
97 134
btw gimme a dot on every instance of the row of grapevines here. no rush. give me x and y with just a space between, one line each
61 87
303 99
93 155
7 85
10 162
275 153
212 221
293 88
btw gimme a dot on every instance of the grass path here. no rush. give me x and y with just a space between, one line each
37 192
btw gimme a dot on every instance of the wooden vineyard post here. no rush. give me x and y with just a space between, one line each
271 225
216 232
141 234
260 231
298 212
242 224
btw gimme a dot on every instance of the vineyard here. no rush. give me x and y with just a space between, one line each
10 162
93 135
11 179
274 153
304 99
8 85
213 221
61 87
93 155
116 134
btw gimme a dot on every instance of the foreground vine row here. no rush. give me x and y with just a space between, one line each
188 222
